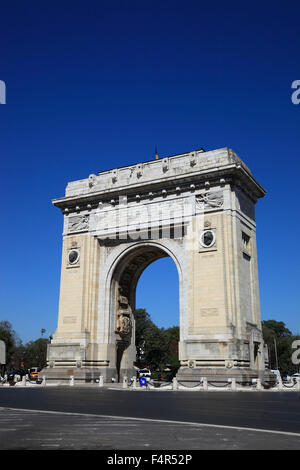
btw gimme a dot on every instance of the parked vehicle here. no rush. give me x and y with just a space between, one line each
277 373
33 373
146 373
15 375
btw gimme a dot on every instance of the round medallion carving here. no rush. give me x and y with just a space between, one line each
207 238
73 256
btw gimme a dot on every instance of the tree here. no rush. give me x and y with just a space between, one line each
273 327
142 321
279 340
172 340
35 353
156 347
13 345
149 340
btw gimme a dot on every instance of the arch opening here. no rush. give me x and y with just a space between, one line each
157 320
123 302
158 292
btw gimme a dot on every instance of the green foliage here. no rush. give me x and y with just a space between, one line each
156 347
273 328
279 339
12 343
149 344
172 340
35 353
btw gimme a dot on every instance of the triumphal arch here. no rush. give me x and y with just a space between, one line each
198 209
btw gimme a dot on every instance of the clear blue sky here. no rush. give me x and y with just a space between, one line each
93 85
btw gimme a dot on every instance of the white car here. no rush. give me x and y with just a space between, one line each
146 373
277 373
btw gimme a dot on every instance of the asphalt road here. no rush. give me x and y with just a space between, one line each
100 418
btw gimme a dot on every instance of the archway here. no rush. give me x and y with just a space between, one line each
125 277
157 319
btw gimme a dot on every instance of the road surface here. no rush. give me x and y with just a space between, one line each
105 419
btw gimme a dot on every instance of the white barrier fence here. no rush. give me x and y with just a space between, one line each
233 385
293 385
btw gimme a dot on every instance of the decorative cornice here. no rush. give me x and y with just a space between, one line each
88 194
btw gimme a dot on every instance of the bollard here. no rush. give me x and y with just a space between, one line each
71 383
125 382
258 384
174 384
134 383
24 381
44 381
100 380
279 383
298 384
233 385
205 384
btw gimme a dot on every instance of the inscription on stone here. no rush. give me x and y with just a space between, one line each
69 320
209 312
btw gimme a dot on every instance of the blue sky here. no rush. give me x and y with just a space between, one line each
93 85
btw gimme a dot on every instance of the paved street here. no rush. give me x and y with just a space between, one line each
86 418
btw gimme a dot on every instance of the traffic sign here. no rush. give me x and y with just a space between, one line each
143 381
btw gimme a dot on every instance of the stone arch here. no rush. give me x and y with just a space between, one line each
219 308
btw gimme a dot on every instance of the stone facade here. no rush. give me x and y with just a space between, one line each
197 208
